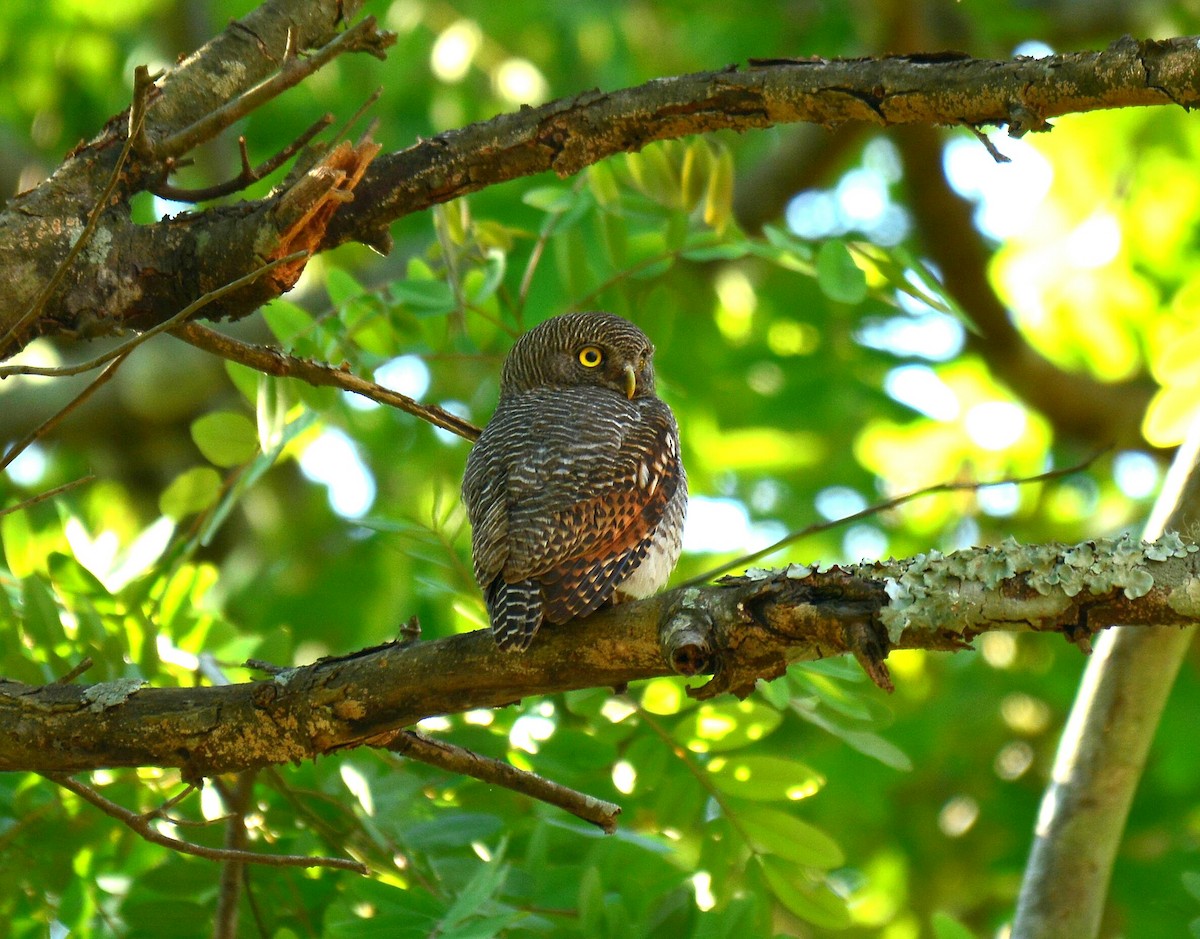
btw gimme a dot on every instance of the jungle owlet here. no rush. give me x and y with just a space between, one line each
575 490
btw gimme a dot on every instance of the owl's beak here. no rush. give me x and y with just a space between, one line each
630 381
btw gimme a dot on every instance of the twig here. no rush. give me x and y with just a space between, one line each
988 145
161 811
363 37
143 84
54 420
458 759
74 673
249 174
275 362
190 310
48 494
237 800
146 830
747 559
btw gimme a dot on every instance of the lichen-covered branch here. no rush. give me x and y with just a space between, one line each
745 629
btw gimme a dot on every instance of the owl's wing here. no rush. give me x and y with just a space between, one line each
598 480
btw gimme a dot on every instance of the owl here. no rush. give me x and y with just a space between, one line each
575 490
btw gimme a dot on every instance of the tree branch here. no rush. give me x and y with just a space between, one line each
143 826
272 361
1104 747
746 629
188 252
569 134
458 759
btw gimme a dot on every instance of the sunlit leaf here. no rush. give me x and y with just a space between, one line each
838 276
718 200
20 548
764 778
226 438
726 725
697 166
550 198
190 492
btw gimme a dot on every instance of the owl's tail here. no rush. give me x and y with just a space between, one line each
516 611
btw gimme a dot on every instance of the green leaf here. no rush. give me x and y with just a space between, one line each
480 285
42 622
718 201
764 778
484 884
781 834
603 185
816 904
286 320
726 726
698 164
190 492
653 174
946 926
426 297
550 198
341 286
20 547
839 278
226 438
71 577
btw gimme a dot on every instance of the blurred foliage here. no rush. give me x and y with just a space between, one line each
814 369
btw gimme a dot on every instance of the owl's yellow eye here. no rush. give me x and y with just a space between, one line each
590 356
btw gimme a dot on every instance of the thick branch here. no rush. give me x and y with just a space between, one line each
569 134
142 273
744 630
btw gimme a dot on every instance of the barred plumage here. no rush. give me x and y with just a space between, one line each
575 490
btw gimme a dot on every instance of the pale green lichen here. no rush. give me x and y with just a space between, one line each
1185 599
938 592
108 694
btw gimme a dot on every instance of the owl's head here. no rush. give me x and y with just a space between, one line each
574 349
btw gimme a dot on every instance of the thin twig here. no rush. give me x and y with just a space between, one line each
988 145
162 810
146 830
249 174
190 310
747 559
237 801
54 420
362 37
75 672
458 759
275 362
48 494
143 84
